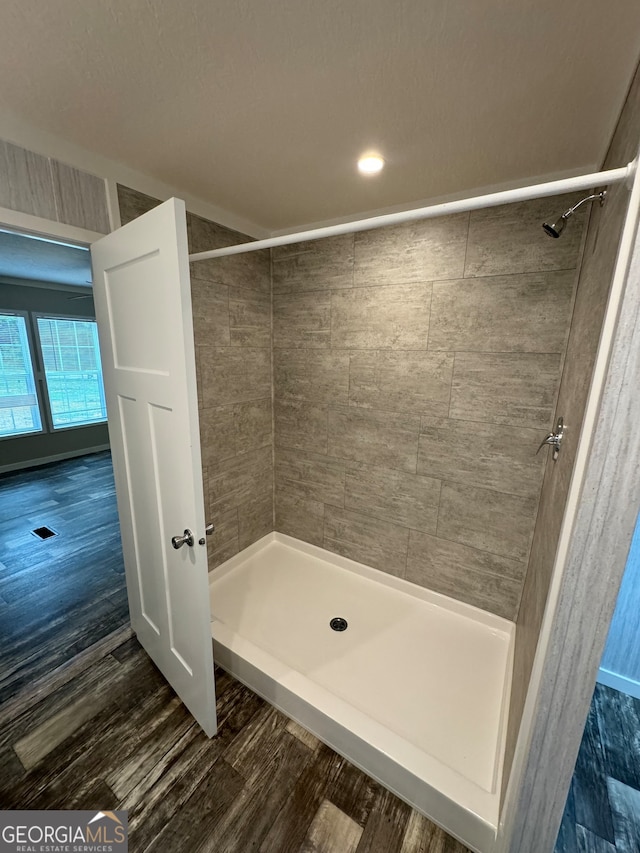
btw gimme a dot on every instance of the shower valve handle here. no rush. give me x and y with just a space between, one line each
554 439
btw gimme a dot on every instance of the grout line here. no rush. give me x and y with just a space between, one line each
424 281
453 373
466 248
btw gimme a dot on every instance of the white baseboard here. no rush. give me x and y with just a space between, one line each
619 682
58 457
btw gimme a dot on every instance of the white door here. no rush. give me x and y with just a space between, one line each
143 308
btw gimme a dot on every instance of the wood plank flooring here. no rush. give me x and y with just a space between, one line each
602 814
86 720
60 596
116 736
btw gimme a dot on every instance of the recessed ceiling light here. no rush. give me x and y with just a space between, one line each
370 164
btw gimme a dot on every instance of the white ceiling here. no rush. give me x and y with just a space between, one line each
263 107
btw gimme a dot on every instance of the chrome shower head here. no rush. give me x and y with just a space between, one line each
555 229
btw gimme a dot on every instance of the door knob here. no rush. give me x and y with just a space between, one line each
554 439
186 539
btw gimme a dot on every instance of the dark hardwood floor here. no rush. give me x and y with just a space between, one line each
58 596
116 736
602 814
86 721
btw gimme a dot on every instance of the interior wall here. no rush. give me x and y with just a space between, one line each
231 300
416 370
28 450
601 246
42 186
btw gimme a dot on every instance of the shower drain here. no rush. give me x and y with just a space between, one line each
338 623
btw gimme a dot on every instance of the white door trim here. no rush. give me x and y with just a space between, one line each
25 222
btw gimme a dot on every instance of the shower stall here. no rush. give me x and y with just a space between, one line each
415 374
383 466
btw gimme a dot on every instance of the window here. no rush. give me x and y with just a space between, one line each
19 411
71 361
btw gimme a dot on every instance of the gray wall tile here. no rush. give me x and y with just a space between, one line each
316 265
253 425
255 519
26 183
301 426
487 520
217 435
518 389
210 305
514 313
249 318
478 454
223 553
225 531
416 251
313 375
405 499
299 516
251 271
376 438
368 540
133 204
316 477
302 320
233 429
204 234
403 381
476 577
81 198
234 374
393 317
237 480
510 239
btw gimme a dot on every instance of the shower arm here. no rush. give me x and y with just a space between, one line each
601 195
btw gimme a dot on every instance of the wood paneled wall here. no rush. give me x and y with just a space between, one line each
52 190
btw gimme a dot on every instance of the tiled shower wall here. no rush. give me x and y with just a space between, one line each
232 332
416 370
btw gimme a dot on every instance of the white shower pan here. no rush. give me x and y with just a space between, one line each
414 692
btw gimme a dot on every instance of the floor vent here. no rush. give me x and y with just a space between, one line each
44 532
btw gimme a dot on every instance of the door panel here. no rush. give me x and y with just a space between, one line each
143 306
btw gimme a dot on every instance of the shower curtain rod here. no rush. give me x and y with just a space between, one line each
581 182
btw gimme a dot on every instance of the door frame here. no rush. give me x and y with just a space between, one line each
26 223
